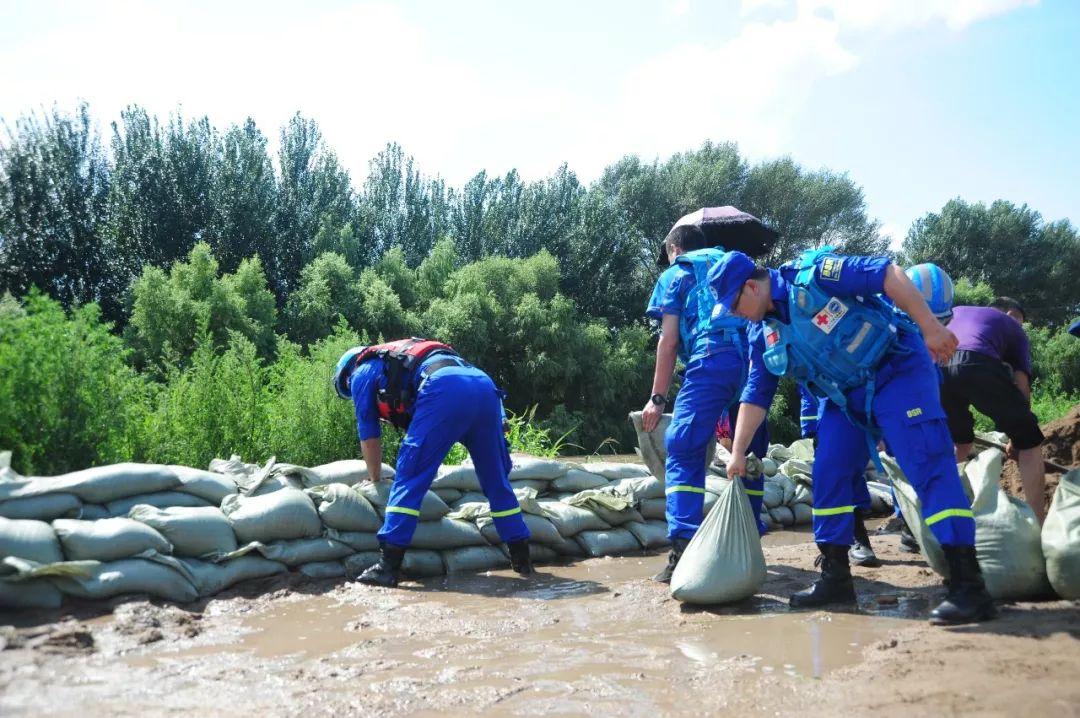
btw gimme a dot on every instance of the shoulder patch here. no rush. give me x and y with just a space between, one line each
830 268
827 319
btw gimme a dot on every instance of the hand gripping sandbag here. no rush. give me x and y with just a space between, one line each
1061 537
724 562
651 446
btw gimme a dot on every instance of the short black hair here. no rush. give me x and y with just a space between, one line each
686 237
1004 304
759 272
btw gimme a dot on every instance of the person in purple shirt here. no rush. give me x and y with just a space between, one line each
991 370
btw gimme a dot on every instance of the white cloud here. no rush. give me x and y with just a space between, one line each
893 15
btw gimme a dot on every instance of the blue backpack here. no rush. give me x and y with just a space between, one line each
708 322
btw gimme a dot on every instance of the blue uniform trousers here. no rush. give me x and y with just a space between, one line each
709 386
907 408
453 404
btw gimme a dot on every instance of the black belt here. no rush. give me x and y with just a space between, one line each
435 366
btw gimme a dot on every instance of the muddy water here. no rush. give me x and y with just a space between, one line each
592 637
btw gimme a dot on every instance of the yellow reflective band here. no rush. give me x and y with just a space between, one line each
834 511
402 510
808 418
948 514
691 489
508 512
753 492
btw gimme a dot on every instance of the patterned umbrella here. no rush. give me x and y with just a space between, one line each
730 228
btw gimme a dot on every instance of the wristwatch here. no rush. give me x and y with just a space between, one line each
658 399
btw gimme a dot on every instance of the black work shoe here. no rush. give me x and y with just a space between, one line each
967 600
908 543
861 552
387 572
520 560
678 545
835 584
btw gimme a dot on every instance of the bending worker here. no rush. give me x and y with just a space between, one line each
425 388
713 351
819 319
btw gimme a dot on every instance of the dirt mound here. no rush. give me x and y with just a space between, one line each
1062 446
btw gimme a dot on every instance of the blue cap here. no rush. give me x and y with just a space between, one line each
727 276
1074 328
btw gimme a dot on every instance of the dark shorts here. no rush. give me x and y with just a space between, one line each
973 379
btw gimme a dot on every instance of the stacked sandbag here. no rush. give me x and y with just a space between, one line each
651 446
1061 537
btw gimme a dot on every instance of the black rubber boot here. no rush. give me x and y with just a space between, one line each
387 572
520 560
678 545
861 552
908 543
967 600
834 586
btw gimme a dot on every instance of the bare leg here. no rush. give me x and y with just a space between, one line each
1033 477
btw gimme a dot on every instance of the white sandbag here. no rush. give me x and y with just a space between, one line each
42 508
783 516
211 578
523 466
97 485
132 575
358 540
322 569
446 533
803 495
538 485
448 495
803 450
724 561
93 512
650 534
800 471
612 509
778 453
469 497
234 467
710 501
774 495
615 471
31 540
192 531
345 508
651 444
640 488
108 539
1061 537
160 500
880 501
541 530
609 542
421 563
911 510
804 514
572 520
347 471
474 558
29 595
377 493
207 485
769 466
462 478
788 486
654 509
577 479
284 514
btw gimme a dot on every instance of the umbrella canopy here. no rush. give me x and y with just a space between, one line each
730 228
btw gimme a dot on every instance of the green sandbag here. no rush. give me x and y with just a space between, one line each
211 578
193 531
539 554
446 533
347 471
448 495
609 542
650 534
568 548
93 512
774 495
538 485
322 569
108 539
724 562
572 520
297 551
357 540
98 485
207 485
523 466
640 488
612 509
769 466
541 530
284 514
1061 537
654 509
652 449
360 562
462 478
36 593
161 500
431 506
419 563
804 514
30 540
579 479
474 558
783 515
132 575
345 508
42 508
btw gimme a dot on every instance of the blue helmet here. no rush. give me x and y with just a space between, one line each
936 287
343 371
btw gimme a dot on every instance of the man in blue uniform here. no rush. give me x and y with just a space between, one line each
713 351
820 320
425 388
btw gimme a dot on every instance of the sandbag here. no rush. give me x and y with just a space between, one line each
284 514
446 533
31 540
474 558
448 495
211 578
192 531
650 534
769 466
347 471
93 512
640 488
42 508
462 478
207 485
783 516
654 509
770 523
612 509
98 485
161 500
800 471
469 497
359 541
419 563
322 569
651 445
709 502
1061 537
538 485
577 480
911 510
377 493
299 551
572 520
802 495
568 548
539 553
28 595
541 530
608 542
804 514
724 561
774 495
359 562
616 471
523 466
132 575
345 508
802 450
108 539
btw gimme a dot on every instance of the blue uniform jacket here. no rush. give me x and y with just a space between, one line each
670 297
365 384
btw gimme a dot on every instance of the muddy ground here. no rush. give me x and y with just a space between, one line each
595 637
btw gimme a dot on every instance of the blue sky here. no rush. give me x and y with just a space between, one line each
918 101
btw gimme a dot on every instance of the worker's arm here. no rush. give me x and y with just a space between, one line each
1023 383
750 418
940 341
666 351
372 451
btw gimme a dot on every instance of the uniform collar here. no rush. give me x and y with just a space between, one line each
779 288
